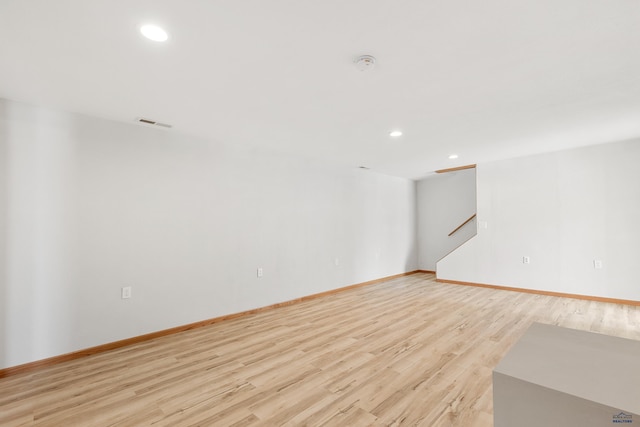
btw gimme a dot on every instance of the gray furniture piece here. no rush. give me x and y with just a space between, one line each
562 377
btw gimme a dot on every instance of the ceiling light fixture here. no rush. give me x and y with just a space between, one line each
365 62
395 133
453 156
155 33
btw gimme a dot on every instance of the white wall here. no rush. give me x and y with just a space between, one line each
3 230
89 206
444 202
563 210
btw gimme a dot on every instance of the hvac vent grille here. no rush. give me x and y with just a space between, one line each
152 122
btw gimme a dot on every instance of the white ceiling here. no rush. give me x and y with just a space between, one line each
484 79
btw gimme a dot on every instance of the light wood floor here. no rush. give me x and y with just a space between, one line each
408 351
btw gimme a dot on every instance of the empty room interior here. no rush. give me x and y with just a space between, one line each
319 213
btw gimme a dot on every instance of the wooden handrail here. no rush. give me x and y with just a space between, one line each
462 225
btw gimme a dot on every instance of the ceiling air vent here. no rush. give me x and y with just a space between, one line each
152 122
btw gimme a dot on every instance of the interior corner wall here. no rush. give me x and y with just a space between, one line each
563 210
445 201
89 206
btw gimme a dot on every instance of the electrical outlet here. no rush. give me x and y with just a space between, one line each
125 292
597 263
336 262
526 260
259 272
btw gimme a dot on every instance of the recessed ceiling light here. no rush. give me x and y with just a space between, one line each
453 156
395 133
155 33
365 62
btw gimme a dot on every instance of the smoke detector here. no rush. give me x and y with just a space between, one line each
365 62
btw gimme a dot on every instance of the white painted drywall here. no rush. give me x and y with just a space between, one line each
563 210
444 202
89 206
3 230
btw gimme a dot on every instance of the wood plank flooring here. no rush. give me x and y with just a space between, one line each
408 351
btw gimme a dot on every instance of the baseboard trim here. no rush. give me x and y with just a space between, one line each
38 364
426 271
538 292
